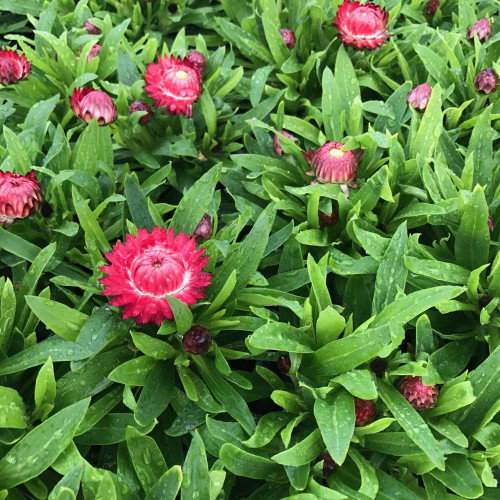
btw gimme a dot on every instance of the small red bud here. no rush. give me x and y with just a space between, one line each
197 340
431 7
197 59
277 140
419 96
141 106
329 466
284 364
420 396
204 230
91 28
486 81
326 221
365 411
482 28
491 224
288 37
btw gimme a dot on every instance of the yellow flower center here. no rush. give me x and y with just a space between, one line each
336 153
181 75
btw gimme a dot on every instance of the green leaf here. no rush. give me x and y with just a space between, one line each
209 112
335 417
223 295
452 398
282 337
168 486
57 349
303 452
45 386
195 202
331 106
242 463
318 281
85 158
442 271
12 409
137 203
182 314
359 383
460 477
329 326
26 460
424 336
346 80
481 149
147 458
412 423
134 372
472 240
267 428
196 480
152 347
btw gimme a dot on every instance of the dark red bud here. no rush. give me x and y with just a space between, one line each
431 7
329 466
486 81
141 106
378 366
326 221
204 230
197 340
197 59
284 364
288 37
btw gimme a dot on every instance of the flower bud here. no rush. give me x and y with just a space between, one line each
197 59
284 364
329 466
197 340
431 7
204 230
419 96
13 67
486 81
326 221
141 106
20 196
365 411
482 28
91 28
277 139
94 52
379 366
491 224
88 103
420 396
288 37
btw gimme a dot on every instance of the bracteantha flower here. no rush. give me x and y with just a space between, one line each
13 67
20 196
420 396
365 411
481 28
331 165
432 7
173 83
94 52
92 29
197 340
419 96
362 26
197 59
88 103
288 37
141 106
147 268
277 141
486 81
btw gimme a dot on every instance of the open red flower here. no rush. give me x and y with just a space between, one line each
362 26
147 268
89 103
20 196
331 165
13 67
173 83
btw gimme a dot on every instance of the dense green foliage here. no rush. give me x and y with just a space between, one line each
93 406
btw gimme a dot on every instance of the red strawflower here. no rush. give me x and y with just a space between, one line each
284 363
326 221
329 465
277 140
419 96
204 229
197 340
431 7
482 28
173 83
91 28
486 81
331 165
288 37
88 103
420 396
94 52
491 224
141 106
362 26
365 411
13 67
150 266
20 196
197 59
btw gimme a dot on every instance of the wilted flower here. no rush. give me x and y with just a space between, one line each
173 83
482 28
88 103
197 340
284 363
277 140
204 229
431 7
326 221
141 106
94 52
420 396
197 59
491 224
331 165
288 37
365 411
13 67
150 266
419 96
20 196
362 26
91 28
486 81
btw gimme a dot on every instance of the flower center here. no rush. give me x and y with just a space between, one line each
336 153
181 75
158 272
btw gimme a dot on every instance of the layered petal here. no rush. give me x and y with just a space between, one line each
13 67
88 103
